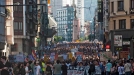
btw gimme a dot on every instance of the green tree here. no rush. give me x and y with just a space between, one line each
82 39
57 38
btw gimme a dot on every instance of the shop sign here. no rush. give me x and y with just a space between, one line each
126 42
117 40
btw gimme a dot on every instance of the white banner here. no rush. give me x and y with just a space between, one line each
76 70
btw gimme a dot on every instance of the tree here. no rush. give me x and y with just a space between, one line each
57 38
82 39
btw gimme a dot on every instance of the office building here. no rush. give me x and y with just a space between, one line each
64 20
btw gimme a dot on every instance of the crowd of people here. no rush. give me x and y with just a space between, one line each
40 67
61 67
87 48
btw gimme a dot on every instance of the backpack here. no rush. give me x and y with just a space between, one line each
92 68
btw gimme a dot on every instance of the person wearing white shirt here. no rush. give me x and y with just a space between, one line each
26 69
37 68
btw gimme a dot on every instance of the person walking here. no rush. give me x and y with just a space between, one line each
64 68
127 68
108 67
57 68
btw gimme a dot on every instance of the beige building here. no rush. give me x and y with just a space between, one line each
121 14
121 26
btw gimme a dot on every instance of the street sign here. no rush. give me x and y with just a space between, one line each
117 40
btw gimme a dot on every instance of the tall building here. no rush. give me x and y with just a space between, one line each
19 27
31 25
105 15
64 20
2 25
99 24
80 15
25 26
56 4
121 27
89 10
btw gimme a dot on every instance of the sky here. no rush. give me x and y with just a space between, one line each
67 2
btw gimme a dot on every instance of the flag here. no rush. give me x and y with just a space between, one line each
34 54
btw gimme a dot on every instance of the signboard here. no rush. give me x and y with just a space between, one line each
117 40
126 42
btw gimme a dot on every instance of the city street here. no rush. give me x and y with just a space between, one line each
66 37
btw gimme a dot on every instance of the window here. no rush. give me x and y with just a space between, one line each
15 8
132 23
15 25
114 24
120 5
18 26
122 24
132 4
112 6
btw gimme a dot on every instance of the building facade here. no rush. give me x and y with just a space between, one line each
105 15
80 15
121 24
64 20
31 23
18 27
55 4
2 27
87 28
25 26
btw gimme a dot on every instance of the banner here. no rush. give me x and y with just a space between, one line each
20 58
79 58
64 56
30 57
34 54
76 70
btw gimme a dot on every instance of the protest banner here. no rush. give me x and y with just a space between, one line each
76 70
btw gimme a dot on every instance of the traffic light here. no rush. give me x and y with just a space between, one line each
107 46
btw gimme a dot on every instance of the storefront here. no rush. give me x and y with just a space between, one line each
122 43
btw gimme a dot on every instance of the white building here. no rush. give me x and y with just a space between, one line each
64 20
58 4
55 4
